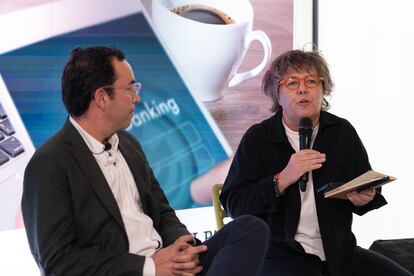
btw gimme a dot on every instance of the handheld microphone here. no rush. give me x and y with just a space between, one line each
305 134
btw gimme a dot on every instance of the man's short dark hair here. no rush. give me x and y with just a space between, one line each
87 70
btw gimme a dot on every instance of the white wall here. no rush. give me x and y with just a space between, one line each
15 256
369 47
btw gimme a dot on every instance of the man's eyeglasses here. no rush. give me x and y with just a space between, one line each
293 83
132 88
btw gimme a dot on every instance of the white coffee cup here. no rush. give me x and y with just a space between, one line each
208 55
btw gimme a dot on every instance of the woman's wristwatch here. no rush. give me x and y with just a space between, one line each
276 182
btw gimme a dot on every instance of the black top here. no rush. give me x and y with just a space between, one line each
249 189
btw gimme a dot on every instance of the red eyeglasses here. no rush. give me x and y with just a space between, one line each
292 83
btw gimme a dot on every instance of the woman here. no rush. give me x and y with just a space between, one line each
311 235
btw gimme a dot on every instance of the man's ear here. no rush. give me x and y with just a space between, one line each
100 98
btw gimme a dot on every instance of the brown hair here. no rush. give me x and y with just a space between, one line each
296 60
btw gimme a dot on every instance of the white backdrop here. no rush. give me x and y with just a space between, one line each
369 47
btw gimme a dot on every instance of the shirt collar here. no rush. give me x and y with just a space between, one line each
94 145
288 130
274 125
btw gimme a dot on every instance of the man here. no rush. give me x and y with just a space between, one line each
91 204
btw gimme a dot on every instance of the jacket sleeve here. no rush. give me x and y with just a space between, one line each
169 227
362 165
248 189
50 227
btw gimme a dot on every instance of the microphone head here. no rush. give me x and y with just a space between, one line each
107 147
305 126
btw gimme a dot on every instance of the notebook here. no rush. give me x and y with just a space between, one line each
178 135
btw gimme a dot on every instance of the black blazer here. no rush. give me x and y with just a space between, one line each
72 220
249 189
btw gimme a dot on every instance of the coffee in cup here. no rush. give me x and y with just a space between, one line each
208 56
203 14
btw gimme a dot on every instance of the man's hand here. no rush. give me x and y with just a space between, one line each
180 258
300 162
187 261
362 198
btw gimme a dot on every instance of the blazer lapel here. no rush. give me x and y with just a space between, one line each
136 165
88 164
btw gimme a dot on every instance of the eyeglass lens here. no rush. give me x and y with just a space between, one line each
134 88
309 81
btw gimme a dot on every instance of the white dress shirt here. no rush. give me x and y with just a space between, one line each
308 233
143 238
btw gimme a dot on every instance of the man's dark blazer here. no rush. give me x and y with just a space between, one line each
73 222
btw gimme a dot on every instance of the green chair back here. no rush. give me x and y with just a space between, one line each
219 212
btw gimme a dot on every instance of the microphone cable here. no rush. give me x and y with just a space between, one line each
107 147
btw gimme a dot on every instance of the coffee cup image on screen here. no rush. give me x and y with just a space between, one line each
178 136
208 40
